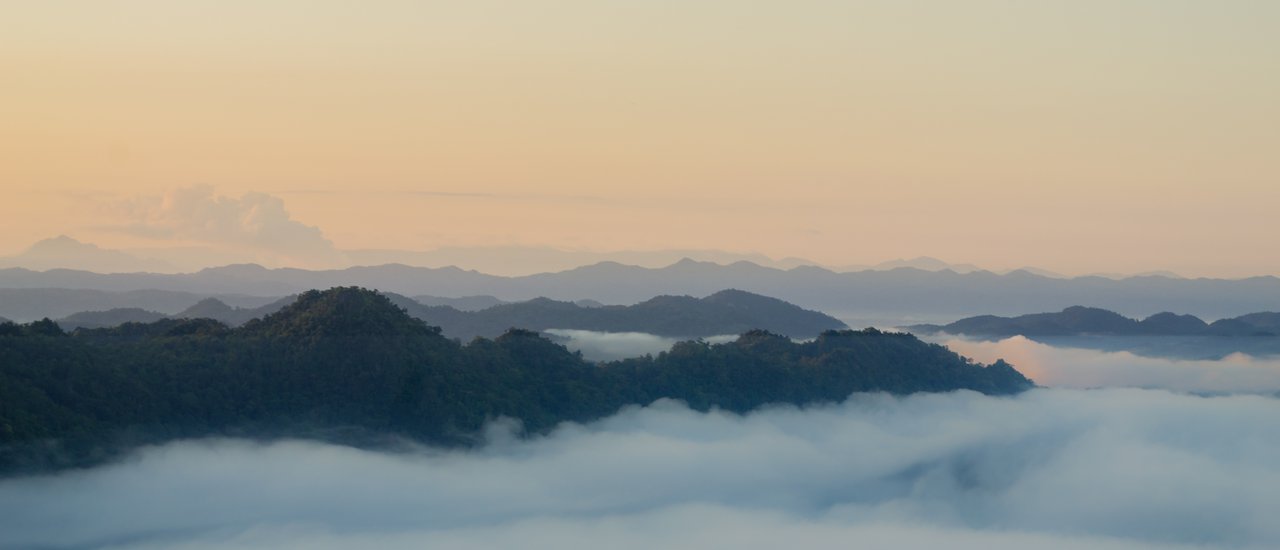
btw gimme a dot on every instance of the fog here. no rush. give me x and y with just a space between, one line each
1087 368
611 346
1052 468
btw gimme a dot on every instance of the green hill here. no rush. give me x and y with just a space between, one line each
348 365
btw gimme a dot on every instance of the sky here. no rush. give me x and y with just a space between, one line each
1079 137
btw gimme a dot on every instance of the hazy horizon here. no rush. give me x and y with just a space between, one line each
511 389
1117 137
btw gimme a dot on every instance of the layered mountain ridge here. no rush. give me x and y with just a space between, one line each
348 365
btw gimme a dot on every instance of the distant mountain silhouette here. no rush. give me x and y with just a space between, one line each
29 304
213 308
725 312
524 260
923 263
348 365
65 252
109 318
464 303
1078 321
894 293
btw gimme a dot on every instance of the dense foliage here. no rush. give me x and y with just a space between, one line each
348 365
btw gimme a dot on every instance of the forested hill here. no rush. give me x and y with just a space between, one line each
347 365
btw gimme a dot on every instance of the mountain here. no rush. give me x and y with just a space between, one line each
29 304
464 303
725 312
1263 322
65 252
1172 324
527 260
348 365
896 293
108 318
925 263
1079 321
213 308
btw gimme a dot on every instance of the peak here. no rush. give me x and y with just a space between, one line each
1087 309
61 242
235 269
735 295
208 307
339 312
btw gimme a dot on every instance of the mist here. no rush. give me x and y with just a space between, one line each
1086 368
611 346
1051 468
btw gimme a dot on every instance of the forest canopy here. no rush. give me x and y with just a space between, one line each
348 365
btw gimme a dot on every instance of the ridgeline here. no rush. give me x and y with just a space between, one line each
1081 321
349 366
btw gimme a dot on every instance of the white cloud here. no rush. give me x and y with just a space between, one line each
255 221
1048 469
1085 368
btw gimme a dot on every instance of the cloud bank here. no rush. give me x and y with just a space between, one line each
1084 368
1117 468
255 221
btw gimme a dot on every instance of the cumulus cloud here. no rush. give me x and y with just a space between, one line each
254 221
1117 468
1086 368
611 346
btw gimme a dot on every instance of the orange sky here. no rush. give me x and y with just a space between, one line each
1084 136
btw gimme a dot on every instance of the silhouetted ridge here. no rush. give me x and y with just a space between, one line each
1264 322
725 312
210 308
109 318
1173 324
1080 321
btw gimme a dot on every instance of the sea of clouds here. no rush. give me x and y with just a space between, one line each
1051 468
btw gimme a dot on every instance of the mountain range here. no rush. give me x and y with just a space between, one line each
64 252
721 313
1082 321
896 293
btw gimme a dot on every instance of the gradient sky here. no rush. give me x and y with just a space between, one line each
1077 136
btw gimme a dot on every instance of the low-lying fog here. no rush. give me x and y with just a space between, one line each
1052 468
611 346
1086 368
1047 365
